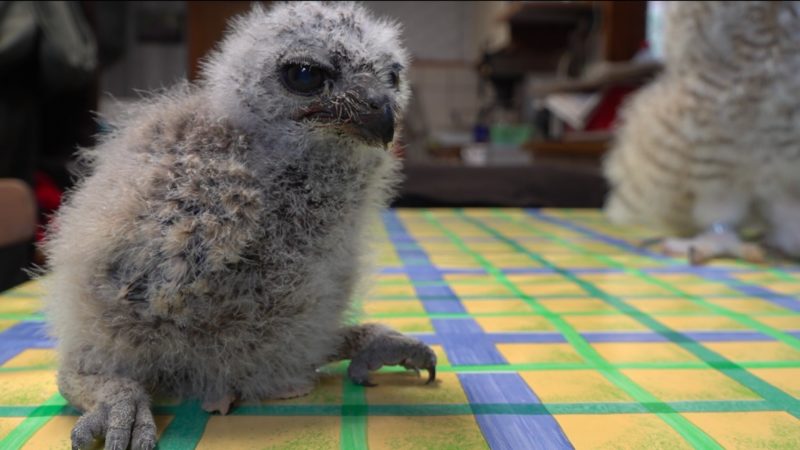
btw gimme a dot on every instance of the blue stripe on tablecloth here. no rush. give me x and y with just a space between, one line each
508 431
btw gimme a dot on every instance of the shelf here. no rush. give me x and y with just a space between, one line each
545 183
549 12
585 148
615 74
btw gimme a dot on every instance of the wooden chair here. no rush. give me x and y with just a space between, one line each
17 212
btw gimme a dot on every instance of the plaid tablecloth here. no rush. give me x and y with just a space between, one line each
553 330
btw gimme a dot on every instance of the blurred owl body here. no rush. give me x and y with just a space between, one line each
217 245
715 140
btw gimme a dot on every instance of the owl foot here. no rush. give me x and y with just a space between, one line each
716 243
294 392
391 350
222 404
121 414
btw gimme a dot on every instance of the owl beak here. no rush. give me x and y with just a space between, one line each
373 122
376 123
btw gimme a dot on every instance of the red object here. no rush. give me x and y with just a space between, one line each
605 115
48 197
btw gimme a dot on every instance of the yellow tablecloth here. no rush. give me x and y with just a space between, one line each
553 329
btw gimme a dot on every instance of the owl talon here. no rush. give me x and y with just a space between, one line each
122 423
365 383
223 405
293 392
650 242
711 245
392 349
431 374
409 365
696 258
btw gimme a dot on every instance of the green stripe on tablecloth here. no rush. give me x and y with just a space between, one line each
689 431
186 427
23 294
483 281
34 421
410 315
714 359
26 368
22 317
410 297
361 411
354 421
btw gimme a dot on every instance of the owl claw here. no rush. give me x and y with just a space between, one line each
711 245
222 404
650 242
431 374
409 365
392 349
695 257
125 422
366 383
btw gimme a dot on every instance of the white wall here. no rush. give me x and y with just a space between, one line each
145 65
446 40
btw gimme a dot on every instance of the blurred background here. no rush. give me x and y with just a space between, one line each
514 102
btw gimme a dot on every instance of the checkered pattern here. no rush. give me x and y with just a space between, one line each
553 330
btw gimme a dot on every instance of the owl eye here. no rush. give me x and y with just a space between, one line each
303 79
394 79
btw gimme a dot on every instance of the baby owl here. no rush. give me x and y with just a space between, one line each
215 247
713 145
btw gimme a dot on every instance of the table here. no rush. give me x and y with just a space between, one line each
553 182
553 330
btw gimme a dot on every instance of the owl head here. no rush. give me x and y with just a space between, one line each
313 70
731 35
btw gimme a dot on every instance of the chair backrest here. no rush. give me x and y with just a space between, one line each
17 212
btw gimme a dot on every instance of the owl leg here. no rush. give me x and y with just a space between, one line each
114 408
717 242
720 208
783 234
221 404
293 392
372 346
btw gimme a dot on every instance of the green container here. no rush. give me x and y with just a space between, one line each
510 135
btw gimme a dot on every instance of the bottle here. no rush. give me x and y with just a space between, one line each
477 153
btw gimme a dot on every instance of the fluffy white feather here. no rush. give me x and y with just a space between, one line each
716 138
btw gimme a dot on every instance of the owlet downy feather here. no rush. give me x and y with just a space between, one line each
713 145
215 248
